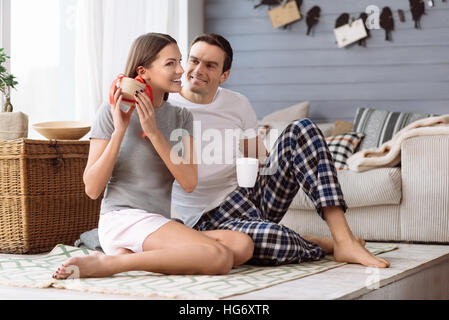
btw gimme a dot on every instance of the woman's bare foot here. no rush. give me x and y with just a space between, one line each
327 244
95 265
352 251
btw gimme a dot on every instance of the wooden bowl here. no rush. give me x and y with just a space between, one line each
62 130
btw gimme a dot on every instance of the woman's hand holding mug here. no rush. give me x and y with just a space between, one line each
121 119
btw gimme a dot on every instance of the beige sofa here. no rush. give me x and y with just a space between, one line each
406 203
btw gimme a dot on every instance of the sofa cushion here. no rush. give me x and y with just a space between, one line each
379 126
297 111
342 147
326 128
362 189
341 127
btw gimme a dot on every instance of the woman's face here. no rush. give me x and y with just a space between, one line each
165 72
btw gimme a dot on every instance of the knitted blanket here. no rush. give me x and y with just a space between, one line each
389 154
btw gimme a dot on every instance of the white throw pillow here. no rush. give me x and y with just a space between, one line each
297 111
326 128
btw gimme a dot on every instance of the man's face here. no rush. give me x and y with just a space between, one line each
204 70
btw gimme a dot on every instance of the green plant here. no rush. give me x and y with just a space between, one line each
6 82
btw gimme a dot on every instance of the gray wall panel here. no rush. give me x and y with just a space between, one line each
258 25
276 68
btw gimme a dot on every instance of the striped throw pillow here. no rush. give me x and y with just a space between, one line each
380 126
342 147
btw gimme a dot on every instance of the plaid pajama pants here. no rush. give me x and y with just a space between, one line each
300 159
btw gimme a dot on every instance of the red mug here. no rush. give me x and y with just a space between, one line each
128 95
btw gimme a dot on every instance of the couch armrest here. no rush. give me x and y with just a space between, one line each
424 210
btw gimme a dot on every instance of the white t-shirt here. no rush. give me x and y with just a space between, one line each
217 130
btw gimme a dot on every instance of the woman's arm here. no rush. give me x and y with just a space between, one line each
103 153
184 170
100 163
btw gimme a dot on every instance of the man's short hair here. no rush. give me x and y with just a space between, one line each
219 41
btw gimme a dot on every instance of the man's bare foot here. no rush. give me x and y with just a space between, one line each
94 265
327 244
352 251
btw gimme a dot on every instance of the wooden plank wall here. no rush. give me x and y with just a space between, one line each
276 68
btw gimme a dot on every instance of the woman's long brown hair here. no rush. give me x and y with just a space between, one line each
144 51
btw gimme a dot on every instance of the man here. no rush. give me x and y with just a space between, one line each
300 159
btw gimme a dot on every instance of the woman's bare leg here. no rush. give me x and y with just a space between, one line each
172 249
123 251
241 244
346 247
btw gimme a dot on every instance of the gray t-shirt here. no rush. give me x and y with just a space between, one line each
140 179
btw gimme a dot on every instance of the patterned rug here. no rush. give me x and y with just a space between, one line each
35 271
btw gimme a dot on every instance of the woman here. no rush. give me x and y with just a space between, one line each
134 228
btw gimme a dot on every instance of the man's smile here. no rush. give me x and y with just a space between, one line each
198 80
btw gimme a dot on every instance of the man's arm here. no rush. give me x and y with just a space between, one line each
254 148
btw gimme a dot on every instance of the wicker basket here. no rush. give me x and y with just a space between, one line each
42 198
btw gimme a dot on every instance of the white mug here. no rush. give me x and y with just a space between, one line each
247 169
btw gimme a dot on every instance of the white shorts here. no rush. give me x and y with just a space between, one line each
127 229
